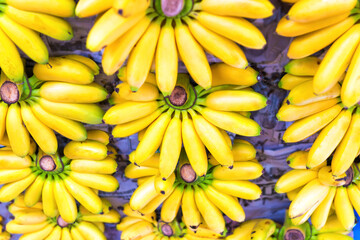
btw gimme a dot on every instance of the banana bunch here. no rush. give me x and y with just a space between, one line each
326 112
317 193
61 181
146 227
160 32
60 96
21 22
257 229
4 235
33 224
192 116
202 198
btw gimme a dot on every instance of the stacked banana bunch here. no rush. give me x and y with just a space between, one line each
267 229
32 223
60 96
191 116
326 112
20 25
59 181
159 32
4 235
317 193
147 227
200 197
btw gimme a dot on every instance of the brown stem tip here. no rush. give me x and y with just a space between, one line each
349 177
61 222
294 234
171 8
187 173
47 163
178 96
167 230
9 92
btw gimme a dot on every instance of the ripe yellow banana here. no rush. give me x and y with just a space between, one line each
171 205
143 194
64 69
3 112
65 201
191 213
43 135
41 234
11 190
333 236
33 193
243 150
106 183
219 46
240 171
335 64
8 160
138 230
237 29
289 81
263 229
90 231
329 138
354 196
240 189
303 67
321 214
243 231
88 149
141 57
16 228
48 198
349 93
147 92
129 8
193 56
344 209
18 135
106 166
294 179
13 175
306 127
98 135
86 61
87 8
223 74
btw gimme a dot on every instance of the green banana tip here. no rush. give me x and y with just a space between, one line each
134 89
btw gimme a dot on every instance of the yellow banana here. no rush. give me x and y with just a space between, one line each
122 75
240 171
292 194
306 127
64 69
320 215
297 160
263 229
133 171
243 150
143 194
13 175
219 46
41 234
329 138
48 198
55 234
310 43
344 209
86 61
294 179
155 202
303 67
137 230
89 149
237 29
64 200
16 228
106 183
240 189
11 190
354 196
65 234
3 111
52 26
191 214
98 135
126 222
333 236
289 81
90 231
87 8
163 185
147 92
66 127
243 232
111 217
43 135
129 8
33 193
8 160
349 94
223 74
172 204
140 59
26 39
18 135
106 166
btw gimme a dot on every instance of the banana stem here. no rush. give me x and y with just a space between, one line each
201 101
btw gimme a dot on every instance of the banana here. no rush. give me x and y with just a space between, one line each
52 26
10 60
325 143
321 214
153 137
130 111
171 205
48 198
11 190
289 112
111 217
122 75
13 175
332 225
310 43
3 110
344 209
313 192
213 140
304 94
234 100
87 8
41 234
86 61
16 228
230 121
90 231
129 8
143 194
351 96
219 46
105 183
147 92
290 28
332 67
191 214
84 195
137 230
243 150
126 222
32 217
55 234
155 202
292 194
106 166
133 171
89 149
297 160
8 160
64 69
170 147
72 93
43 135
309 10
263 229
306 127
243 232
237 29
240 171
294 179
163 185
26 39
18 135
98 135
354 196
64 200
229 205
33 193
303 67
194 147
241 189
333 236
240 8
65 234
289 81
140 59
223 74
211 214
